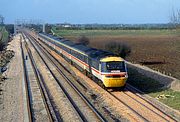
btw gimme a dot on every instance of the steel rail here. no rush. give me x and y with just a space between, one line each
26 84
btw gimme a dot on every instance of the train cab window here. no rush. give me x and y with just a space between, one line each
113 66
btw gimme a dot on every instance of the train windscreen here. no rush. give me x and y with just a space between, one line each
113 66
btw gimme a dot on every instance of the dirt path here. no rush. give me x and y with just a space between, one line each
11 108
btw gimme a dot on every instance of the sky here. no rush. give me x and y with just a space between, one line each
90 11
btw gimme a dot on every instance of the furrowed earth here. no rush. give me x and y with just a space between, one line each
157 49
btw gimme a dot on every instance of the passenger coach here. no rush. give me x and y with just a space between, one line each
107 67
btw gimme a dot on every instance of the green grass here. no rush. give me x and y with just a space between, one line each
4 33
168 97
0 31
4 37
65 32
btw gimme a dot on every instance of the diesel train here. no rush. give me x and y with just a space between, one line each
108 68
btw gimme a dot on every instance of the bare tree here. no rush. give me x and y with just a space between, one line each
118 48
178 16
175 17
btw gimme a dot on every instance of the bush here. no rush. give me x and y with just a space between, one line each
118 48
83 40
4 38
48 28
10 28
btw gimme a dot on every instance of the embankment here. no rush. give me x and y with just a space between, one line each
166 81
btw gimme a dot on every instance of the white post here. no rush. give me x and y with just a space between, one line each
43 27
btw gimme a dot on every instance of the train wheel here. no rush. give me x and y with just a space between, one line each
123 87
104 87
94 78
101 85
71 63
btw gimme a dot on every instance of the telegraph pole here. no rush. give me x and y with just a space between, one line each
1 20
44 27
16 24
14 27
29 24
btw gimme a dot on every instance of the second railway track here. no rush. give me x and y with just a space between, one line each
39 106
85 110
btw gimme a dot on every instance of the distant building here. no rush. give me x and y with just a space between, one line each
65 25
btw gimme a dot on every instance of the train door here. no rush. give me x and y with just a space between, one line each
90 65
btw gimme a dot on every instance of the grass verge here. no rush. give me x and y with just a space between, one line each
168 97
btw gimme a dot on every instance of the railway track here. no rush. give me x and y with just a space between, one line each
138 94
83 107
145 110
140 106
38 103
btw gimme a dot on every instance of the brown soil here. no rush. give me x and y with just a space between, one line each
160 53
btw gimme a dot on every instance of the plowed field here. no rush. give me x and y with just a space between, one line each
158 49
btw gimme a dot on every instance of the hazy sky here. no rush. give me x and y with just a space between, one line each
89 11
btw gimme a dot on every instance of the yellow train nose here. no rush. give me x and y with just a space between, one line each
114 82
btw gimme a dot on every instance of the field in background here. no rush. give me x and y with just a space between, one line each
114 32
157 49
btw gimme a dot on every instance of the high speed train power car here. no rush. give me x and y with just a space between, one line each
108 68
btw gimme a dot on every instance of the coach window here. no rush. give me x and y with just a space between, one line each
86 59
103 67
94 64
